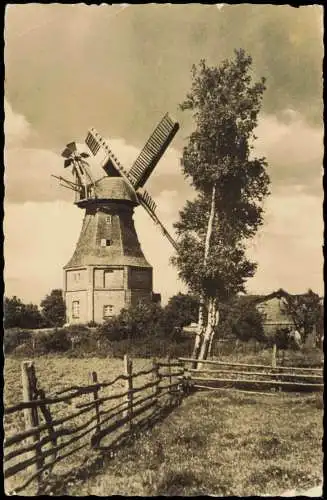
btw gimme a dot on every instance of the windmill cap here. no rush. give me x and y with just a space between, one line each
115 188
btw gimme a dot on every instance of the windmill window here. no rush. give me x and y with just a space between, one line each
75 308
105 242
108 311
108 219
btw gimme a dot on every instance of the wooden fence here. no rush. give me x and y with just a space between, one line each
75 418
220 375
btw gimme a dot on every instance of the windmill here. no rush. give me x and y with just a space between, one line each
108 270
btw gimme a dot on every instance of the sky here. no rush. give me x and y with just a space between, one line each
119 69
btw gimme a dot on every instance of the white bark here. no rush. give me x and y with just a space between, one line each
213 332
213 318
201 328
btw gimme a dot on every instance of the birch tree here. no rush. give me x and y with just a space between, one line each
231 184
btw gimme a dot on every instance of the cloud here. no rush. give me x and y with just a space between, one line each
120 72
34 257
288 248
294 150
39 241
28 171
17 129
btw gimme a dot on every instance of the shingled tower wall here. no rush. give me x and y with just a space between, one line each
108 270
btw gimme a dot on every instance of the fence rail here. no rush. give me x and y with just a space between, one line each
49 434
244 377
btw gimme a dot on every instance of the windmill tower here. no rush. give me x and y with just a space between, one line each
108 270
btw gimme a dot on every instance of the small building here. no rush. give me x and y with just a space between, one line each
273 309
275 316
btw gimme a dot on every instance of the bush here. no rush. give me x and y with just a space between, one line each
151 347
14 337
138 321
241 319
181 310
55 341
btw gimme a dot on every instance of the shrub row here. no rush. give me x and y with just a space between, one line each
82 341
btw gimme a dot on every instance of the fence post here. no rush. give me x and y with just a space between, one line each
169 373
30 414
128 372
156 376
274 354
94 378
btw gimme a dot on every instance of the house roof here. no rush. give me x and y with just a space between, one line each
256 299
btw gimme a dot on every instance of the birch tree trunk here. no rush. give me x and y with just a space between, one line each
213 318
213 332
200 329
201 326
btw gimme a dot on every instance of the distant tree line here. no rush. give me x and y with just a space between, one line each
52 312
146 329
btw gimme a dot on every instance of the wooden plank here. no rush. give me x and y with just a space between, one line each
88 388
143 372
274 356
276 374
176 374
26 449
156 376
263 382
43 441
268 367
169 363
48 418
169 372
94 377
14 469
154 384
24 434
235 390
31 418
142 400
119 409
44 468
116 425
103 399
128 372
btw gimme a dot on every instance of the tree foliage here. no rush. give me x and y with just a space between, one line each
181 310
20 315
306 311
240 318
231 184
54 308
151 320
137 321
225 104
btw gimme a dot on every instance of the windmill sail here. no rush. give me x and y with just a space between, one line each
143 166
148 203
153 150
109 162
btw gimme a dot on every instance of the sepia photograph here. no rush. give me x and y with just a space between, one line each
163 326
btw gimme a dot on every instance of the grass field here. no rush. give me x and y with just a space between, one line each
220 445
214 443
55 373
